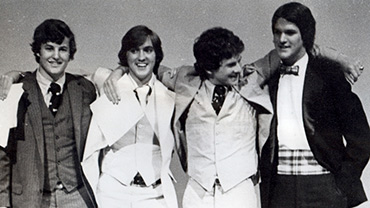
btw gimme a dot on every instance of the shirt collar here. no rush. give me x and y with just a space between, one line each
302 63
44 83
150 83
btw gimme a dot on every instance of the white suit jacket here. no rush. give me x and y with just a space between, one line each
121 118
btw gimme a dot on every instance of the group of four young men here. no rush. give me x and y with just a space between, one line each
285 122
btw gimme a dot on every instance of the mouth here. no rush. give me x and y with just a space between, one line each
141 65
283 47
55 63
234 76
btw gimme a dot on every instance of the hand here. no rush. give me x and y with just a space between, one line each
352 68
6 82
247 70
110 85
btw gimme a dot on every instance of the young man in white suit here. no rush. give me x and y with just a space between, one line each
130 145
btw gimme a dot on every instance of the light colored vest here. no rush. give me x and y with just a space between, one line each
222 146
138 151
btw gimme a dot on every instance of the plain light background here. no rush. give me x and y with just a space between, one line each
100 25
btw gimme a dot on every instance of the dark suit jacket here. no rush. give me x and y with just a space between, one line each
22 162
331 111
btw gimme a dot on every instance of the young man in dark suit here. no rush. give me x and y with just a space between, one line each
305 162
40 166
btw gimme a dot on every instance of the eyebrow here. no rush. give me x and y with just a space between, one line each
231 64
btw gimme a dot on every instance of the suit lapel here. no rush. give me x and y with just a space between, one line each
255 94
273 87
161 109
76 97
185 93
312 89
31 87
125 115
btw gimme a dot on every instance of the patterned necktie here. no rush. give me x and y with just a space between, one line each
56 97
289 69
142 94
218 98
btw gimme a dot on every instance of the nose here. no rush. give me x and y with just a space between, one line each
282 38
56 54
237 68
141 55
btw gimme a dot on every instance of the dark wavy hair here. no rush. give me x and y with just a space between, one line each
136 37
302 17
52 30
212 47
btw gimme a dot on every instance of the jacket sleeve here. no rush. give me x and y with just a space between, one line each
4 178
356 132
267 65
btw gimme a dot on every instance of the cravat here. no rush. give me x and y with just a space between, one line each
289 69
142 94
218 97
56 98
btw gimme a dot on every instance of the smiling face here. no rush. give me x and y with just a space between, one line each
288 41
229 72
141 62
54 59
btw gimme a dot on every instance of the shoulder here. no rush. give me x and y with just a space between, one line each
268 64
81 80
186 74
330 73
327 69
86 85
163 90
186 70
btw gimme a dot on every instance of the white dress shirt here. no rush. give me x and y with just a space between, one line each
290 129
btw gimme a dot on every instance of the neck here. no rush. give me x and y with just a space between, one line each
142 82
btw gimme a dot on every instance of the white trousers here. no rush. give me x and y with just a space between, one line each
241 196
113 194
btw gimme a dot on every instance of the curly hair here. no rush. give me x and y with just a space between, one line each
212 47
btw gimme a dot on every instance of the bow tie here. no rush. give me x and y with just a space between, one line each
289 69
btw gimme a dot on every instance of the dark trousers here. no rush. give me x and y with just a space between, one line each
307 191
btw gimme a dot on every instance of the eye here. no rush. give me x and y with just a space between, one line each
230 65
290 32
64 49
133 50
149 49
49 48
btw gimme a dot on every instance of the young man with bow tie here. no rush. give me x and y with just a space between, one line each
305 162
